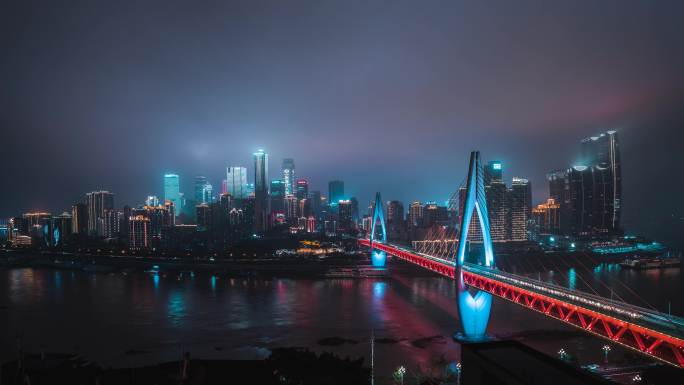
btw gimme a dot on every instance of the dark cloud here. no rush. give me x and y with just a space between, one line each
385 95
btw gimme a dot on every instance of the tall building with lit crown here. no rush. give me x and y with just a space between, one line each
520 208
261 202
236 182
289 175
277 196
172 191
98 203
302 189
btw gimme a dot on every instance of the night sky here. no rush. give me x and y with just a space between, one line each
387 96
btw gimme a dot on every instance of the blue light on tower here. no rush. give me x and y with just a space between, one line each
474 310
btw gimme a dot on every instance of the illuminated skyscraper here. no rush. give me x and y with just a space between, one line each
138 232
345 222
335 191
520 208
547 217
602 154
172 191
261 203
236 182
98 203
289 175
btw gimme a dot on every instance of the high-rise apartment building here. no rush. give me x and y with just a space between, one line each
236 182
345 222
289 175
139 232
98 202
496 193
79 218
172 191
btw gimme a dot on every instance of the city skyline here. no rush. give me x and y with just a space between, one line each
99 114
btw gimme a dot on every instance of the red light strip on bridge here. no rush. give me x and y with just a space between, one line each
639 338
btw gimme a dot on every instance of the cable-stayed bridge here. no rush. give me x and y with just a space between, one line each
647 331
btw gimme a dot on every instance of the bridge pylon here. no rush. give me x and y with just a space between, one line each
378 257
474 310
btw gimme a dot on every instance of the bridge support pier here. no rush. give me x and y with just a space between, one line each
474 309
378 257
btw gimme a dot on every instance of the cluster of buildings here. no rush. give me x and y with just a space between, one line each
583 204
585 199
176 221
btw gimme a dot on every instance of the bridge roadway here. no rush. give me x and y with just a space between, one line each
650 332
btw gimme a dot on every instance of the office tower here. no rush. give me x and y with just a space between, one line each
335 191
580 207
494 172
79 218
474 229
345 222
261 209
302 189
602 154
278 196
236 182
289 175
138 232
224 187
172 191
98 202
203 190
520 208
316 206
290 208
415 214
546 217
496 194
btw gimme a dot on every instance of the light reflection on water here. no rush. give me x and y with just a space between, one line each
222 317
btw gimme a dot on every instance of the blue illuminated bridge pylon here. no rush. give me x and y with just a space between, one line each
474 309
378 257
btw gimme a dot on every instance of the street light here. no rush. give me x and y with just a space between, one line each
562 354
400 374
605 349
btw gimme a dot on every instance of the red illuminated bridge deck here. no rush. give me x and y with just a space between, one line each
650 332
